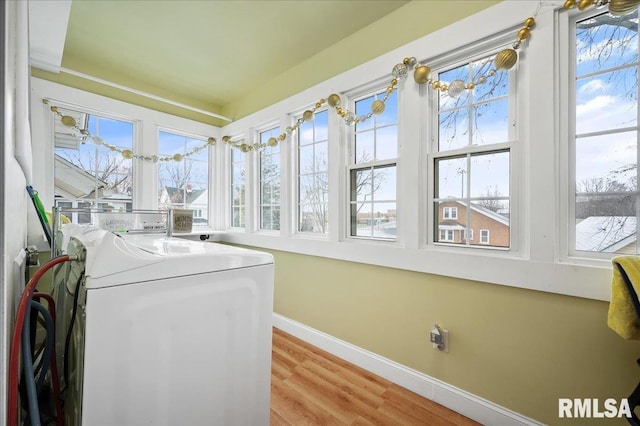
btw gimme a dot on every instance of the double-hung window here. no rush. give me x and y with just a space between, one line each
313 169
185 183
373 169
603 146
238 188
473 135
269 180
90 167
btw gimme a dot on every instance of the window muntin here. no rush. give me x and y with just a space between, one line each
313 174
88 174
269 202
605 148
450 212
373 170
238 188
184 184
484 236
473 155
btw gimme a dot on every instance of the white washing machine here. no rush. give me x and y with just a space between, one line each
166 331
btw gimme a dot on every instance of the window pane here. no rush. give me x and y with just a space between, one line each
361 185
365 147
269 181
607 101
490 175
491 122
361 219
390 114
451 177
183 184
606 175
313 185
606 41
453 130
478 116
387 143
373 206
89 168
237 188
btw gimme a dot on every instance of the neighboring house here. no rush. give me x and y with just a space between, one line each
485 227
607 234
194 199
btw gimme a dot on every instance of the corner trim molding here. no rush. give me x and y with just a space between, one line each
463 402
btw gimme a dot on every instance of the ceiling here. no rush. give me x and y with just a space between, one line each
207 53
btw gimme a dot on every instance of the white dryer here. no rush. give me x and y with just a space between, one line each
167 331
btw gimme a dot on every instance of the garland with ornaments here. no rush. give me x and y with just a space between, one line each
503 61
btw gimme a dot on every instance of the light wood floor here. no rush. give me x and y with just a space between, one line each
312 387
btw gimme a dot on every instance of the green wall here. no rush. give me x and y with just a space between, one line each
521 349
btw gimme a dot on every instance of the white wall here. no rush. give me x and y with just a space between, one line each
14 199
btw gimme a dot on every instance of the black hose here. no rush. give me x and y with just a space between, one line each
67 339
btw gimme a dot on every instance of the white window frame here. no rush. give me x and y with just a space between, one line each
535 259
450 212
485 236
465 56
147 122
567 130
210 171
230 186
368 90
295 143
258 155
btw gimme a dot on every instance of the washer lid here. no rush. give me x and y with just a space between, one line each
116 260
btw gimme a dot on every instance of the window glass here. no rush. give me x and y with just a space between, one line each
473 182
90 168
606 134
269 180
313 182
238 188
184 184
373 169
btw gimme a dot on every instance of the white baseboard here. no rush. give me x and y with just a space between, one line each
463 402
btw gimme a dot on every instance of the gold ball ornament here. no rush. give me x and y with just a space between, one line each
505 59
622 7
421 74
569 4
471 86
584 4
333 100
53 108
177 157
244 147
226 139
524 33
111 147
307 115
377 107
68 121
211 141
530 22
282 136
128 154
272 141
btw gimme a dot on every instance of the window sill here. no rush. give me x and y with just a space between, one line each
490 266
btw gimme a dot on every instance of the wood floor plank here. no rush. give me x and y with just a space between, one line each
312 387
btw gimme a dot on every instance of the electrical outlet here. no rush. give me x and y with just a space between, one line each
440 338
444 345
